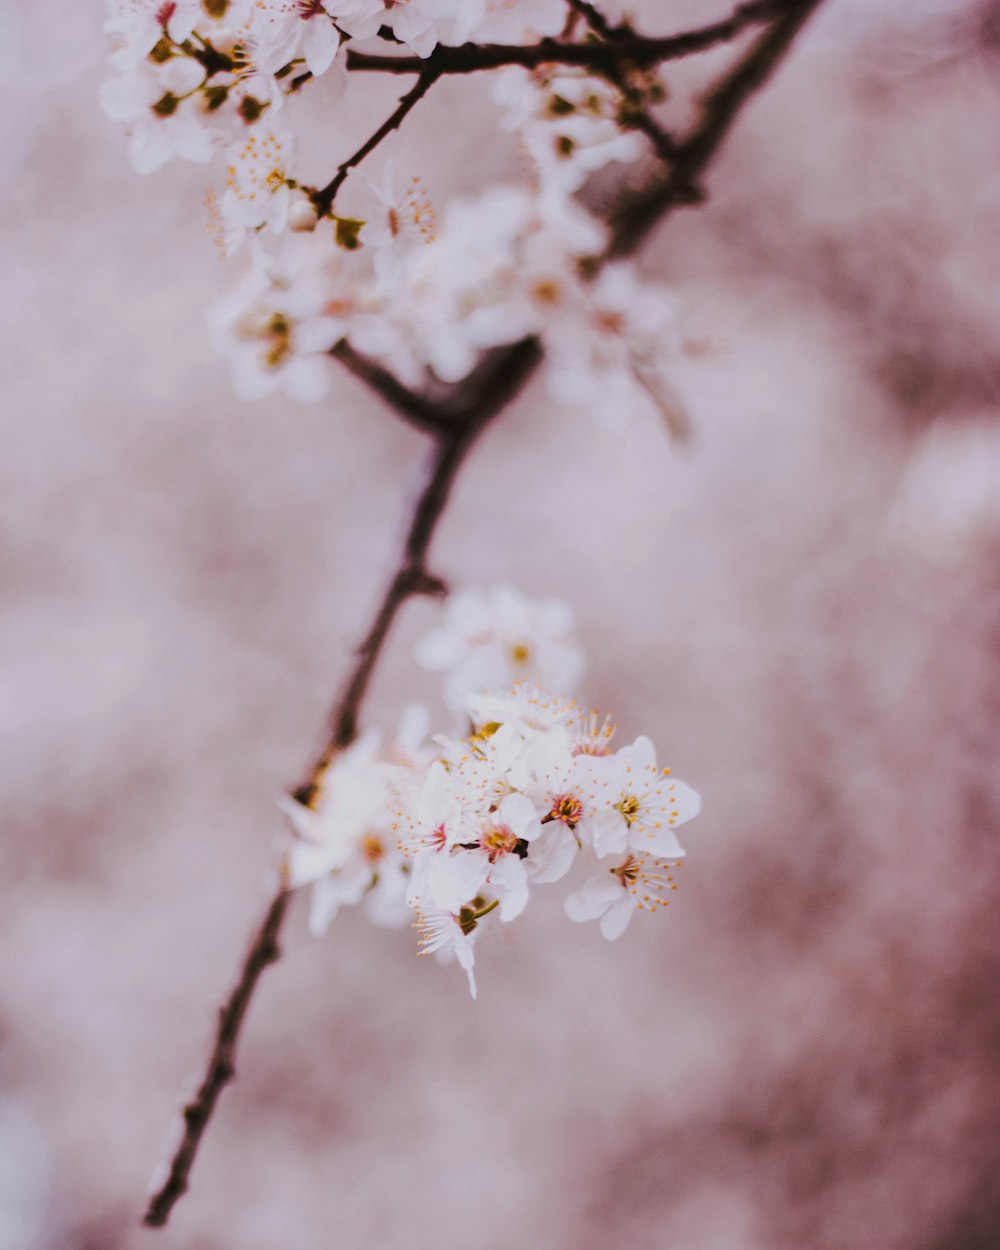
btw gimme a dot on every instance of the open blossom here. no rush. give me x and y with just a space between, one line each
286 29
345 845
397 217
612 352
498 637
278 327
449 935
637 883
136 26
632 804
257 182
568 121
161 122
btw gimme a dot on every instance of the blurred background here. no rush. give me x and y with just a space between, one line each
802 609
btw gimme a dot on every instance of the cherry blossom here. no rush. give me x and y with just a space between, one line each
637 883
498 637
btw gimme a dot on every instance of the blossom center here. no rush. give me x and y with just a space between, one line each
628 872
567 808
372 848
629 806
498 840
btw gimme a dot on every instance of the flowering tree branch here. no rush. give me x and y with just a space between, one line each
622 47
457 416
480 398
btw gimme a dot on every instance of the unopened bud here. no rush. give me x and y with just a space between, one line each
181 75
302 217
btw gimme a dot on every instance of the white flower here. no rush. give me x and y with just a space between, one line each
612 352
397 221
352 800
359 18
257 191
161 124
139 25
638 882
344 845
280 324
418 23
286 29
632 803
568 121
507 21
449 935
497 637
528 708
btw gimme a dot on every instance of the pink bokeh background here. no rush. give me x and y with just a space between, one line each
802 609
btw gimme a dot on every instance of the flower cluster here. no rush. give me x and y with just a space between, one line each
455 829
422 296
194 74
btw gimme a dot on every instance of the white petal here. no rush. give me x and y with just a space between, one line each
509 879
551 856
594 897
608 832
320 44
614 922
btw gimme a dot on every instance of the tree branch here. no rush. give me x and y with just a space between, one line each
324 197
624 47
221 1070
413 406
719 111
462 413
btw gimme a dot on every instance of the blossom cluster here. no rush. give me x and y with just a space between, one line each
421 292
195 74
458 828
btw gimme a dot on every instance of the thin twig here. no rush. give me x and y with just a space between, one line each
324 197
720 109
465 411
593 17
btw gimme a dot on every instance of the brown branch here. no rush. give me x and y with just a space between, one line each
719 111
324 197
463 411
470 58
413 406
221 1070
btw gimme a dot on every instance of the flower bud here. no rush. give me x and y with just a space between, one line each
180 75
302 217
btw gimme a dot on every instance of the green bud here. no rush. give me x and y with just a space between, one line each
559 106
251 109
215 97
348 232
166 106
161 52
